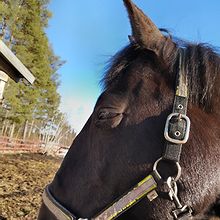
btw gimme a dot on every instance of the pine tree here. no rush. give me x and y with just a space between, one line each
22 28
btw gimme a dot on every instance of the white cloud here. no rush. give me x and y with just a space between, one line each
77 110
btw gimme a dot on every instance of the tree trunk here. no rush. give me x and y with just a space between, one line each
4 123
25 129
10 42
12 130
6 129
3 128
31 128
17 135
3 29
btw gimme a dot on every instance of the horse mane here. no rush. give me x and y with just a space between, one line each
202 64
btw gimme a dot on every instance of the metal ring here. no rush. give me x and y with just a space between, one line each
177 165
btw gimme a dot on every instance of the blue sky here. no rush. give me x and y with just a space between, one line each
87 33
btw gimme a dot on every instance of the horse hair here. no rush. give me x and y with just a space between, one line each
202 65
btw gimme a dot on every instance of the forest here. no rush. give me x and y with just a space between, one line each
32 111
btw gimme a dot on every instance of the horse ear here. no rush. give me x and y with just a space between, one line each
144 31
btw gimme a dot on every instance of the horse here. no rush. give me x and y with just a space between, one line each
124 136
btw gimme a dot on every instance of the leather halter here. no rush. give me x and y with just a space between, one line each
176 134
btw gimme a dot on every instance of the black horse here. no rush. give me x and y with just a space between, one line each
123 137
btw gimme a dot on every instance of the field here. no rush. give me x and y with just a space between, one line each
22 180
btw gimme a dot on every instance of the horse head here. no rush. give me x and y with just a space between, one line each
124 136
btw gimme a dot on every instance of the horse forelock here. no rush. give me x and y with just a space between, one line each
202 64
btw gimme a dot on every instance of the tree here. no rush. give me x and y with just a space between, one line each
22 28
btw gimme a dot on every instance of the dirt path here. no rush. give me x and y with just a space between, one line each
22 180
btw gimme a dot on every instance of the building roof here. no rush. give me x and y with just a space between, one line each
11 65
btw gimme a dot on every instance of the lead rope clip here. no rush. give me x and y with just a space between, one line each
182 212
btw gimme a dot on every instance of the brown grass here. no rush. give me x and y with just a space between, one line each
22 180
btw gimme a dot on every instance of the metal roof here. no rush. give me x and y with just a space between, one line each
20 70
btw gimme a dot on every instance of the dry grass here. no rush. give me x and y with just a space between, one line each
22 180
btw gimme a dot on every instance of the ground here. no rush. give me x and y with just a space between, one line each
22 180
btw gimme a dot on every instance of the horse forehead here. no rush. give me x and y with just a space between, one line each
135 89
113 98
137 77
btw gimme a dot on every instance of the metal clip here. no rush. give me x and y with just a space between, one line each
173 192
181 212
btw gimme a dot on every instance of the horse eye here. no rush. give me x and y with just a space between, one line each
108 118
103 114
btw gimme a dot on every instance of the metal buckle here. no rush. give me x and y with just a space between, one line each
166 130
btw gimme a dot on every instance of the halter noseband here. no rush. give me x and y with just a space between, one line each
176 134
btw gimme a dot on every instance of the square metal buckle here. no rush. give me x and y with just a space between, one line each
166 130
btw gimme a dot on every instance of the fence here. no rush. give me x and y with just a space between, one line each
14 145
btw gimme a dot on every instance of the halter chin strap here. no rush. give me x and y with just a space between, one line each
143 188
55 207
176 134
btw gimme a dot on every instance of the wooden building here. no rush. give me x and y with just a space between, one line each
11 66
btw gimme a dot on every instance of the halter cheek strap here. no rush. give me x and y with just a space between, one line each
178 124
176 134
